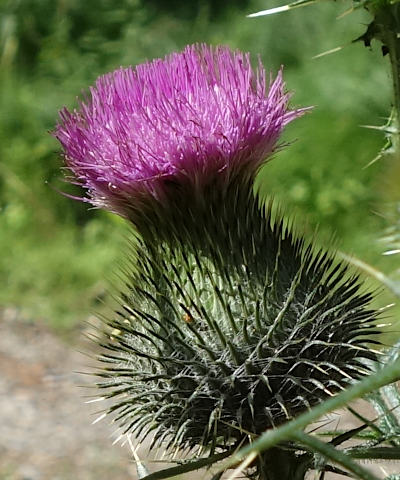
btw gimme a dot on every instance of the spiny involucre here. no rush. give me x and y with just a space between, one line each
191 118
232 331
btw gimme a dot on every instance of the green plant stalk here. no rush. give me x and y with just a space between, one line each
375 453
393 44
386 29
329 451
390 373
280 464
186 467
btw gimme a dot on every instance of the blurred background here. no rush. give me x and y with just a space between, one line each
58 256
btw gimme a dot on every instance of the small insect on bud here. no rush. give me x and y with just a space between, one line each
188 318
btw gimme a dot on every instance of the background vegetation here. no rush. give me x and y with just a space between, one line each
56 253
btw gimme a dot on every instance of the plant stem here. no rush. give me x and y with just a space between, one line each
386 28
280 464
393 44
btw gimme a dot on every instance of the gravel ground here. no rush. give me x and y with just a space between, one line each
46 430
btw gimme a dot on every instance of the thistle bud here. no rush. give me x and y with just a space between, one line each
233 331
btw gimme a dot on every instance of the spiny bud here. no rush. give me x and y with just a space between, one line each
233 330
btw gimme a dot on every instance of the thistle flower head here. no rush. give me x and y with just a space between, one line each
230 324
186 120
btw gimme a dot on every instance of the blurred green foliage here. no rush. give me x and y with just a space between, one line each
57 253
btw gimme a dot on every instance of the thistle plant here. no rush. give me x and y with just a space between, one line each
231 323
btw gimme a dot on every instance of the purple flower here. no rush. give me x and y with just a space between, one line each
195 117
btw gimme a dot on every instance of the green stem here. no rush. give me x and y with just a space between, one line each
394 52
280 464
387 30
186 467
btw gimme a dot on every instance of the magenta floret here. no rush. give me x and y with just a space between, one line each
189 118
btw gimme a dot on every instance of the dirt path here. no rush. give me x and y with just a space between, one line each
45 426
46 430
